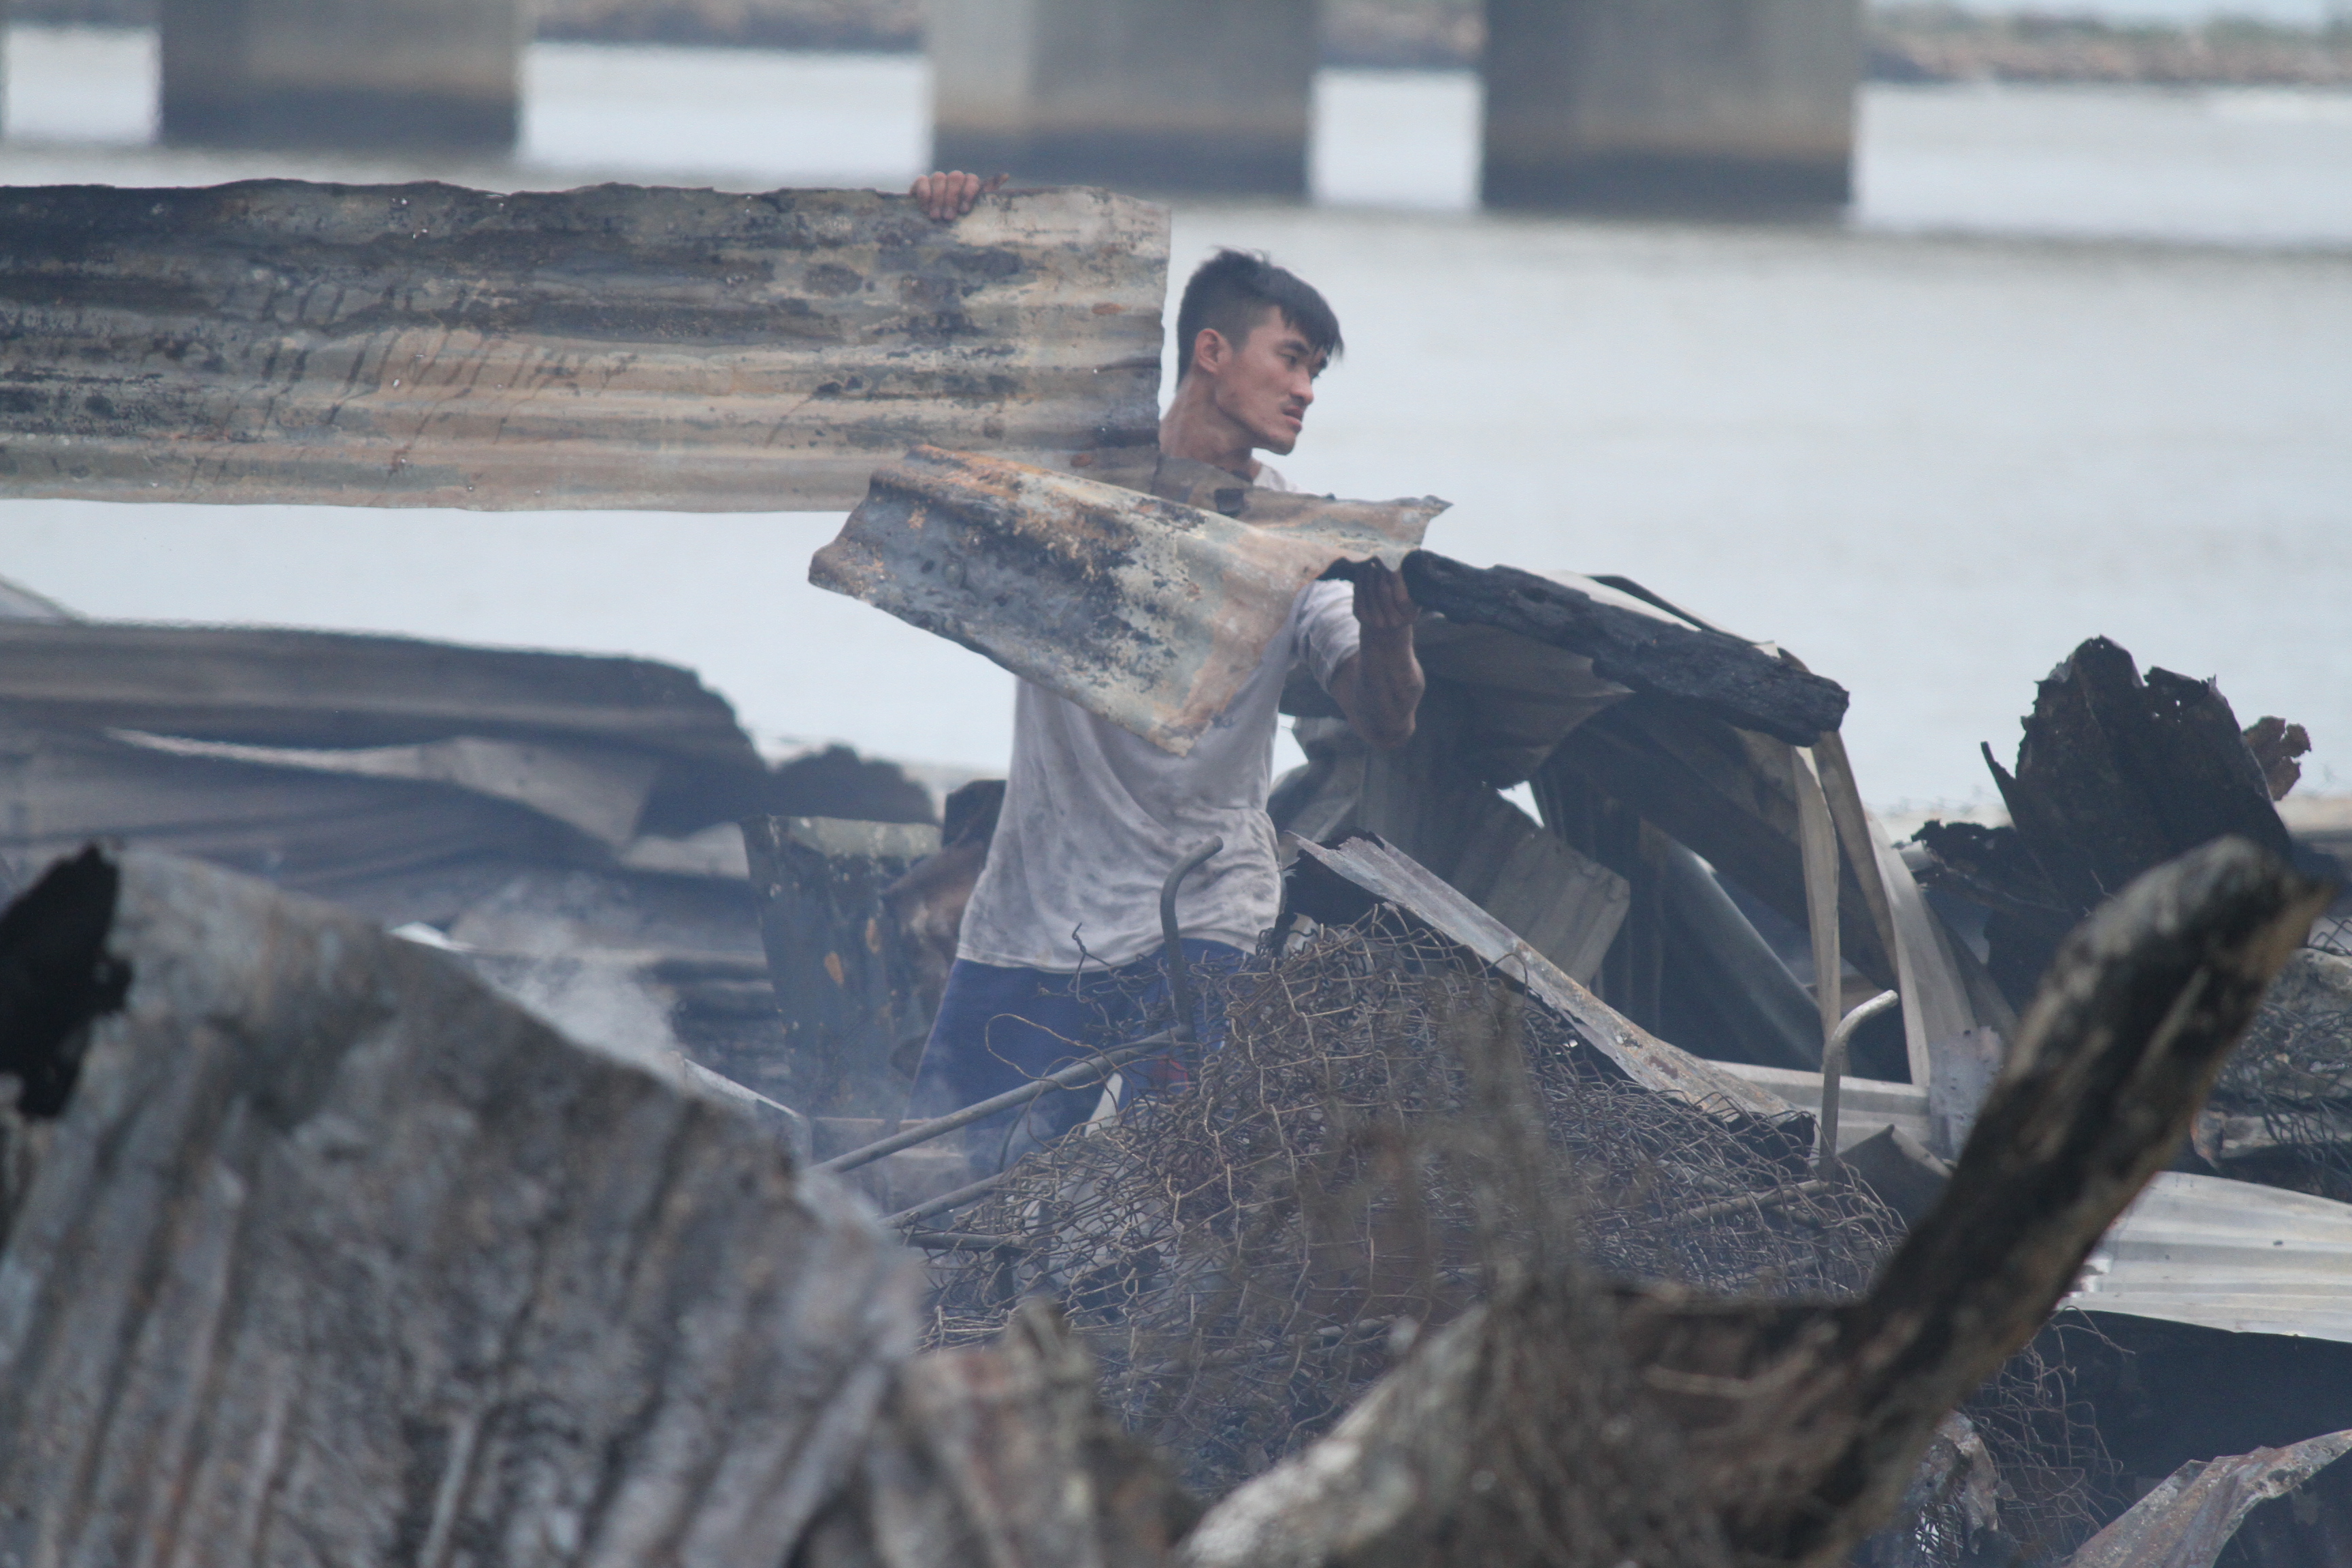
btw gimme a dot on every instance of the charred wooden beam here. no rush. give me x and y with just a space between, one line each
2109 1067
617 346
1734 681
2114 774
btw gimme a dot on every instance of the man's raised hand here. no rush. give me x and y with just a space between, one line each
1382 602
948 195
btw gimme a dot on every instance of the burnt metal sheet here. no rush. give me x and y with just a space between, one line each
618 346
1394 878
273 688
318 831
2191 1514
333 1255
2226 1254
1147 612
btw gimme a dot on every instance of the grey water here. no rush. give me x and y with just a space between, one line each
2079 361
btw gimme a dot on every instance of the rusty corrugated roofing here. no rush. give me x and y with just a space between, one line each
1143 610
619 346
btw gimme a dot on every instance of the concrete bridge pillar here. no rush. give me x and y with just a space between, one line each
1689 105
1201 95
343 74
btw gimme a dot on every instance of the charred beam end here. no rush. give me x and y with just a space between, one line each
2116 1053
1734 681
55 977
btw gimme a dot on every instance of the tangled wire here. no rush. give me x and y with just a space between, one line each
2283 1103
1385 1132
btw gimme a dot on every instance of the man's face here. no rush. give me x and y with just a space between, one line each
1264 382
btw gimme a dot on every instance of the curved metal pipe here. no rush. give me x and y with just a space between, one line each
1180 975
1833 1058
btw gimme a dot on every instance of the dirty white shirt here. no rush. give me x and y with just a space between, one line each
1095 817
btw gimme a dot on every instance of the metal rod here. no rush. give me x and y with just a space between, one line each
924 1131
1179 974
957 1241
946 1201
1833 1058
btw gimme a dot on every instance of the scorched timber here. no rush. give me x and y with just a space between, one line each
1731 679
621 346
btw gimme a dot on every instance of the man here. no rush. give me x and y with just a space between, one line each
1059 953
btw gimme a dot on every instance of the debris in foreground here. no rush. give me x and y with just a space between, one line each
1798 1426
2191 1514
1248 1256
358 1168
370 1261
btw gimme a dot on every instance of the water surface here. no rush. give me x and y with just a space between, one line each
2081 363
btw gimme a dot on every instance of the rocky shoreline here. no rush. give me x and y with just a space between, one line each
1911 43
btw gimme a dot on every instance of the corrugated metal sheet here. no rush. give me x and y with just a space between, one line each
2226 1254
619 346
2191 1515
321 758
1141 609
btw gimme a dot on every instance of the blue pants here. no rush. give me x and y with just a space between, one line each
999 1028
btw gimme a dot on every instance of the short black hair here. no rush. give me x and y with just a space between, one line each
1233 290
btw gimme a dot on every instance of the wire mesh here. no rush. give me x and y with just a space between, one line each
2285 1094
1248 1252
2333 934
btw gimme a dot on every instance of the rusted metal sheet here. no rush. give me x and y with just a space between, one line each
1396 879
618 346
1143 610
2193 1513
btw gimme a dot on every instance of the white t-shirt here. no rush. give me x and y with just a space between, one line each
1095 818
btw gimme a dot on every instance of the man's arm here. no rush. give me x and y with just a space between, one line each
1379 686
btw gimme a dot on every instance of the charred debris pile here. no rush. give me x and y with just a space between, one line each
371 1263
433 1080
1495 1084
564 825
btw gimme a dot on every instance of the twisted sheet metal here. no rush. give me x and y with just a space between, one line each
618 346
1145 611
